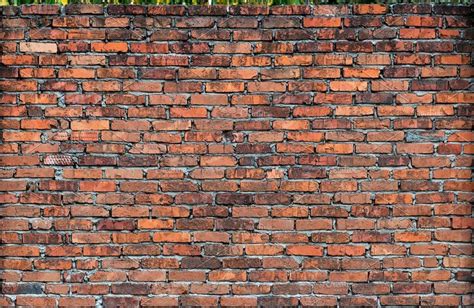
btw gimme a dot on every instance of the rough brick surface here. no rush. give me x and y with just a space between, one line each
236 156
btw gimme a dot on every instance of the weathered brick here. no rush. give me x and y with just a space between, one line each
325 145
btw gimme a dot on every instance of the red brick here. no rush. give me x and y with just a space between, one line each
370 9
97 186
175 144
322 22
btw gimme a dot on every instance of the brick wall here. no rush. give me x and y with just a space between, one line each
236 156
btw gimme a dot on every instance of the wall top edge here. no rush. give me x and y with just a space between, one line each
217 10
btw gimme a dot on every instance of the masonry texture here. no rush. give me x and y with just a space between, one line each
236 156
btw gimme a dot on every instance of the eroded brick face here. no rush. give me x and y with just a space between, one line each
208 156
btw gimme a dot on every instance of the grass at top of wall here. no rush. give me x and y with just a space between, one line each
224 2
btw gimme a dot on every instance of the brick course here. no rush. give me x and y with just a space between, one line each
236 156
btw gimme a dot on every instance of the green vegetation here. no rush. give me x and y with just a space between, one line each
223 2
